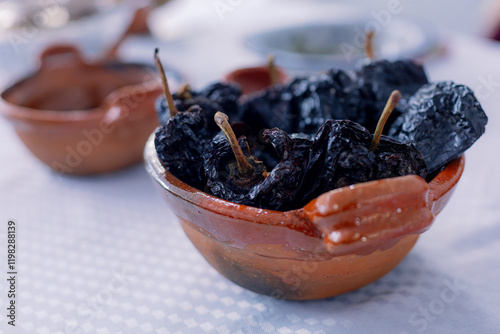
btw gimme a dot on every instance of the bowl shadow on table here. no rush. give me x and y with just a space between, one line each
414 290
123 185
479 239
410 278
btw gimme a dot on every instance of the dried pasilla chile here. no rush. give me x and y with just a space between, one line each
313 96
273 107
332 95
305 104
261 149
180 145
225 94
443 120
377 79
341 156
230 169
279 190
253 185
215 97
345 153
395 158
181 141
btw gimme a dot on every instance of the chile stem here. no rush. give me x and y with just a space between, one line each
273 72
389 107
244 167
185 92
170 100
369 44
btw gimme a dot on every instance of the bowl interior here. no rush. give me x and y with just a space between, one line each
79 87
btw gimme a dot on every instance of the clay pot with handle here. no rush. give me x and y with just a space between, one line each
83 118
342 240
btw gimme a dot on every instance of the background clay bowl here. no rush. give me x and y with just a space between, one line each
253 79
340 241
81 118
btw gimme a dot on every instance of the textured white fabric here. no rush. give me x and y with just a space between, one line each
105 255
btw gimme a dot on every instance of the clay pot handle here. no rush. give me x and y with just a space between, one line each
364 217
58 56
138 24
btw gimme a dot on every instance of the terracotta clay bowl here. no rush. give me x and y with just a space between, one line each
81 118
253 79
339 242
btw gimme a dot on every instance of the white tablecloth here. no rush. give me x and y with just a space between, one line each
105 255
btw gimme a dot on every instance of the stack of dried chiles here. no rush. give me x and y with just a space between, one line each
291 142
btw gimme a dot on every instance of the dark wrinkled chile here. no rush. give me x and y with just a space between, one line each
216 97
180 144
443 120
217 159
398 159
270 108
279 190
224 94
304 104
377 80
332 95
340 156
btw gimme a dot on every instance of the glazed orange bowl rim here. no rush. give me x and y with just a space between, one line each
11 109
244 71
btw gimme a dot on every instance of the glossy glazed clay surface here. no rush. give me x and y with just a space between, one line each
340 241
81 118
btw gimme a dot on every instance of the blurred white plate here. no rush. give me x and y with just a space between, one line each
319 46
92 34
